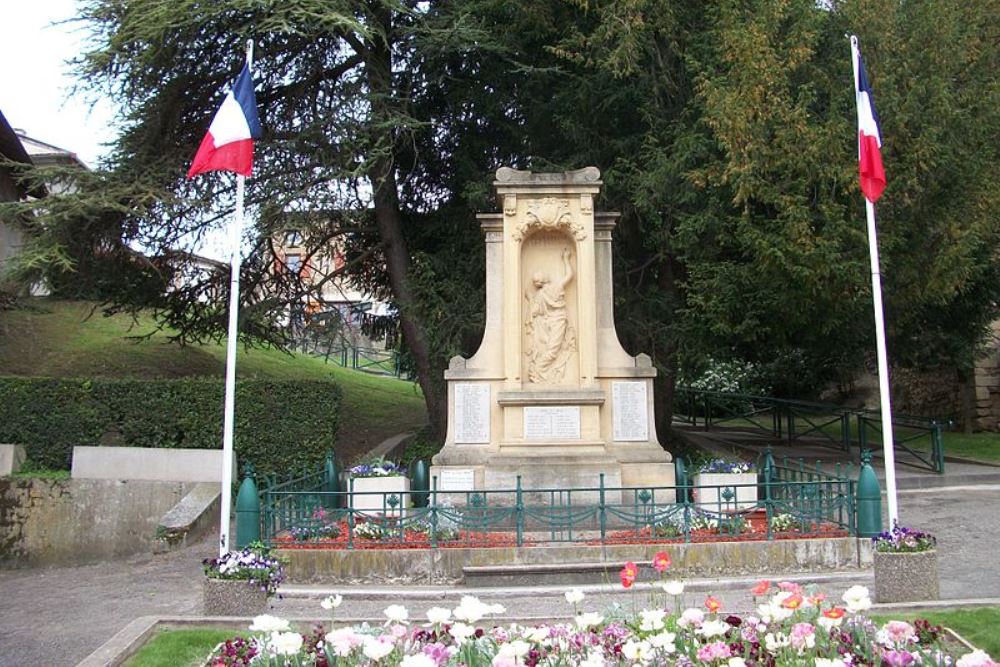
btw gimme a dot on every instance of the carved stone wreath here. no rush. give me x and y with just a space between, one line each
549 213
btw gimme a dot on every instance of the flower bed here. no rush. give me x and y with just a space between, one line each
790 625
387 536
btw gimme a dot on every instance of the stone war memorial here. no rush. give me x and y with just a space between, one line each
550 397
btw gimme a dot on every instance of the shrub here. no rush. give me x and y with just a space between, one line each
280 425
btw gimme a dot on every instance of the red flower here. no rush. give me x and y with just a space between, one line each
761 588
661 561
712 604
628 574
834 613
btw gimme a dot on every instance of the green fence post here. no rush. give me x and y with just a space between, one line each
519 509
869 499
937 447
604 517
247 510
419 482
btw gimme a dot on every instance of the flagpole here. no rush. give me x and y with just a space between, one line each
883 368
888 451
231 342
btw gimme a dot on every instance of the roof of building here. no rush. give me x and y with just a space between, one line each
12 148
43 154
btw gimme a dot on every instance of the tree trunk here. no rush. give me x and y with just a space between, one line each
388 220
967 384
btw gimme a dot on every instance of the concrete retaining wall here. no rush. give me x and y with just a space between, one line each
54 522
149 463
689 560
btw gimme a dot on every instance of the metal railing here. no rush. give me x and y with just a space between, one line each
369 359
918 439
783 499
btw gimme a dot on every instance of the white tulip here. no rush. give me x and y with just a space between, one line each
396 613
673 587
268 623
438 615
331 602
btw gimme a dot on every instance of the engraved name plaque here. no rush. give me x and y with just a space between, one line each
556 423
631 416
472 413
457 479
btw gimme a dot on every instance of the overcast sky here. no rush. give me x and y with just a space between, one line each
35 79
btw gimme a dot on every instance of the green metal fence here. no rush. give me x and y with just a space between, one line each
919 440
786 498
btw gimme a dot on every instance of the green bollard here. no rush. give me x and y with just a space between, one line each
247 510
680 480
420 482
869 499
331 481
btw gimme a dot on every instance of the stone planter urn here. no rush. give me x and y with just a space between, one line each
233 597
381 496
722 491
906 577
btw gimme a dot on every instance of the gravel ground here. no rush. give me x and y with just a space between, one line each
60 615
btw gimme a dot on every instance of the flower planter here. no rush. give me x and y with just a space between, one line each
906 577
375 495
233 597
713 499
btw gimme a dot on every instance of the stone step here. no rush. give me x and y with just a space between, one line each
553 575
487 576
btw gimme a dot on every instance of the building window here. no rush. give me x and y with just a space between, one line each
293 238
294 263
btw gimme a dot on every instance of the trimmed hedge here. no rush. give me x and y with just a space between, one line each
281 426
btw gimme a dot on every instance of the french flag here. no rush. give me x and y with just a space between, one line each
869 135
228 146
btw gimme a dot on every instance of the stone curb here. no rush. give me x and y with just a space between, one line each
937 605
124 644
450 592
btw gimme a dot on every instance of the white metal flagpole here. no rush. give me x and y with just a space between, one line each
889 454
236 237
883 368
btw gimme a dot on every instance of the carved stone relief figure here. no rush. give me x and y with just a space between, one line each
551 337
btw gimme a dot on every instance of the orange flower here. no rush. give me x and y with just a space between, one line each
761 588
628 574
661 561
834 613
816 599
793 601
712 604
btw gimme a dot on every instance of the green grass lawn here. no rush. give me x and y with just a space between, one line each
70 339
980 626
179 648
981 446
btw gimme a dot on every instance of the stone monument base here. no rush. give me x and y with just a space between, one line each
541 476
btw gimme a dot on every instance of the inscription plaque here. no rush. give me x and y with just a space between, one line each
472 412
557 423
631 416
457 479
